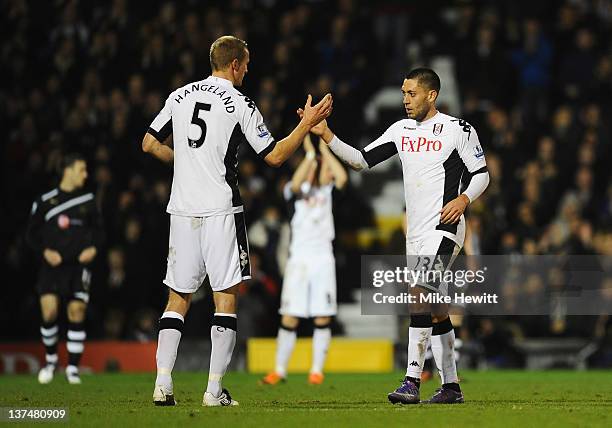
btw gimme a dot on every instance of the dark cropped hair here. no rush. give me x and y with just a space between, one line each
68 160
426 77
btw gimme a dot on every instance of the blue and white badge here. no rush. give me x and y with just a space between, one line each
478 153
262 131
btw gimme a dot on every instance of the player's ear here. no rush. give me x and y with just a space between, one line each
433 94
235 64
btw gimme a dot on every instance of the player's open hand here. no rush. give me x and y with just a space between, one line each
312 115
451 213
87 255
52 257
319 128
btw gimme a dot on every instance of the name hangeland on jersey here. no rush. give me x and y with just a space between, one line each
434 155
208 120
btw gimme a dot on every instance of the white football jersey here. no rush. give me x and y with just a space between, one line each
435 154
208 119
312 221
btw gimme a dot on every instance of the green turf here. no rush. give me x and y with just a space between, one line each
494 398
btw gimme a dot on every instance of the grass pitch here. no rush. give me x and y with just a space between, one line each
493 398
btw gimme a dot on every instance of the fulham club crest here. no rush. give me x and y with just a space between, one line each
438 128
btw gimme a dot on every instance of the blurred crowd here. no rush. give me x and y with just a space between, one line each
89 76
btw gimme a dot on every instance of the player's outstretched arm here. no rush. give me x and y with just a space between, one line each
338 172
308 146
311 116
347 154
151 145
307 165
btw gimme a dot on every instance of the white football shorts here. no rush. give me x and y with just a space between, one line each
434 252
216 246
309 287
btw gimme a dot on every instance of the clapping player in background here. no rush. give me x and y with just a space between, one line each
208 119
65 228
309 287
435 150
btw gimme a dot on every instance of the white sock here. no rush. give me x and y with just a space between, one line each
49 332
75 343
51 360
285 342
320 344
170 330
223 338
418 341
458 346
443 348
436 350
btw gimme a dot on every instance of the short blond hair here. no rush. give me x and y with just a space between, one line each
226 49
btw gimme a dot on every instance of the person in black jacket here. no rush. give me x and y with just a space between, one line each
65 229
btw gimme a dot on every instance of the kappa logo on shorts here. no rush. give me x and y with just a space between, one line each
171 256
196 223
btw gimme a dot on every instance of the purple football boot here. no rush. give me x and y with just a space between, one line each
407 393
446 396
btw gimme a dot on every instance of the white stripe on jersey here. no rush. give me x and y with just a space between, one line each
49 195
68 204
209 118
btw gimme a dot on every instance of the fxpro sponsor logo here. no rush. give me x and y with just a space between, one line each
420 144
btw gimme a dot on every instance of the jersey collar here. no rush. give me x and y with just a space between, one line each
220 81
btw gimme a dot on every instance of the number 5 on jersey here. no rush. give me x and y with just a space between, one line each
196 120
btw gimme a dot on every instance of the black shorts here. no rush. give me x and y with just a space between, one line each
70 282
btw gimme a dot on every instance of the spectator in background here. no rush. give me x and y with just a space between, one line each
270 234
578 64
144 326
532 61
